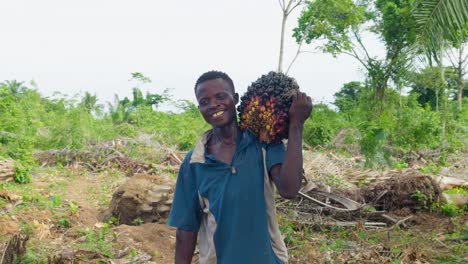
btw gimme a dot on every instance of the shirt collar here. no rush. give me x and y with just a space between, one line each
198 155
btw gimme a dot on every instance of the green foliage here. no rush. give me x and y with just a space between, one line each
181 129
334 181
395 126
385 130
56 201
330 20
322 126
416 127
31 122
450 210
428 85
372 144
430 169
457 190
138 221
396 24
100 240
22 174
438 20
295 234
20 115
348 97
130 110
64 222
401 165
89 103
421 199
73 207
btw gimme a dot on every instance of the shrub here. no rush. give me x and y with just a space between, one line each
22 174
322 126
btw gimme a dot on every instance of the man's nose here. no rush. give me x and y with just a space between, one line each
214 103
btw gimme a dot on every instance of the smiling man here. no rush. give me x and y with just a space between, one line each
224 194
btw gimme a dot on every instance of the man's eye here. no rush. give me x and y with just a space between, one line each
203 102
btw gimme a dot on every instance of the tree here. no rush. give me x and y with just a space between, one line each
13 87
459 60
89 103
334 22
124 110
151 99
427 84
347 98
438 22
339 24
398 31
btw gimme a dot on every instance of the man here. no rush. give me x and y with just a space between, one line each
223 196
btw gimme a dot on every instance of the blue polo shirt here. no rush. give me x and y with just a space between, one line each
226 203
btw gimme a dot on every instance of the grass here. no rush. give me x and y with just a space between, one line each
101 240
457 190
101 193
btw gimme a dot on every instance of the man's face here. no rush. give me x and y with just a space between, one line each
217 102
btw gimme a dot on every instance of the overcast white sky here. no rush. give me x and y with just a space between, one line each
94 45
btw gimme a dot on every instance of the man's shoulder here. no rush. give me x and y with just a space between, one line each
187 157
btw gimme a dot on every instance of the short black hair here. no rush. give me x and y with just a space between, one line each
212 75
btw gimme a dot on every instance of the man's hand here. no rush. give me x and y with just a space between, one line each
300 109
288 176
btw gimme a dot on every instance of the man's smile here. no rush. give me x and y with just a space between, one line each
217 114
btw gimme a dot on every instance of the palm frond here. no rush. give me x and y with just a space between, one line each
439 20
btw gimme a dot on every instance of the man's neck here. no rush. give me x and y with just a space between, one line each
226 135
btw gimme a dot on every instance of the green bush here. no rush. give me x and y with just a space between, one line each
22 174
322 126
450 210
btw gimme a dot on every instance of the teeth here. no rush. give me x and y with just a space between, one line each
218 113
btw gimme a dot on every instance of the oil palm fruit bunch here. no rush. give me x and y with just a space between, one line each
264 107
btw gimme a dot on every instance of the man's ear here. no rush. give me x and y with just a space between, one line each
236 98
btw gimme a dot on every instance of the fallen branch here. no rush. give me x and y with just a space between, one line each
352 224
348 203
395 221
400 222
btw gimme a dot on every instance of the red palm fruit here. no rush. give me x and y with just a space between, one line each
267 102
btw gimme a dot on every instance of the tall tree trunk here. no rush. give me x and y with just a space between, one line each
400 89
444 95
460 79
287 9
283 25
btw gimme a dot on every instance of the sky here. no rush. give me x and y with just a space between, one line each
94 46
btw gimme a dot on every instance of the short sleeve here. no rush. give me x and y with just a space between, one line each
185 211
274 154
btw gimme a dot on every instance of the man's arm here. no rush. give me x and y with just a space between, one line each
185 246
288 175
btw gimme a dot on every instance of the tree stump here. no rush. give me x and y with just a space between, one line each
15 247
143 198
7 171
